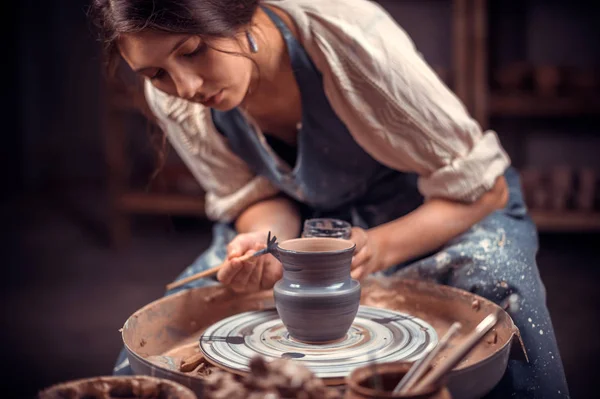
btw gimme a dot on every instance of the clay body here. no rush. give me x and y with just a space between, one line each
316 299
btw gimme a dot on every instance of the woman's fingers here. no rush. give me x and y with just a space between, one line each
359 237
257 275
243 273
272 273
239 283
242 243
228 271
361 257
251 274
363 261
238 246
358 273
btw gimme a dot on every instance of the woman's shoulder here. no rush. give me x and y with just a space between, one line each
343 18
329 8
351 39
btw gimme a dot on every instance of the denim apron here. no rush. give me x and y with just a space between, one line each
329 175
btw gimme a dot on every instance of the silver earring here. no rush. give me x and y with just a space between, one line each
251 42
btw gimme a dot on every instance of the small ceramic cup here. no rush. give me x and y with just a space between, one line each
118 387
361 382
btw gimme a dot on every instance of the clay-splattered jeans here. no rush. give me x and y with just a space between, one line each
495 258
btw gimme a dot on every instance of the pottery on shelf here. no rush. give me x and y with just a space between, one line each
379 381
317 299
513 78
585 194
547 80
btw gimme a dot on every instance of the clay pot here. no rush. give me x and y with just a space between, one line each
360 383
316 299
118 387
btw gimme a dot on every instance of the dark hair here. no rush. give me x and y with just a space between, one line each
204 18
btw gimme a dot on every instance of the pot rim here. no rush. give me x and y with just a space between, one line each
350 248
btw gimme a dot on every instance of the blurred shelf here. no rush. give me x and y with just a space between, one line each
124 101
530 105
130 102
158 203
566 221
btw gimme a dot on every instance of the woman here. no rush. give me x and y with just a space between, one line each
291 109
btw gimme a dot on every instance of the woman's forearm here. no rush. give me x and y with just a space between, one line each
432 225
278 215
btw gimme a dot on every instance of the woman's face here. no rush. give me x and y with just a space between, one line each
183 65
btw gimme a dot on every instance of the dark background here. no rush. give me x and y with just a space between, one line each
68 290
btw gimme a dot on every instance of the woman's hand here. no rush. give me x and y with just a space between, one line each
254 274
367 256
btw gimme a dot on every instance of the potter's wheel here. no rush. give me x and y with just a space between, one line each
376 333
172 326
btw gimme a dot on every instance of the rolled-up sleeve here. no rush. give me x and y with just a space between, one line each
229 184
467 177
396 107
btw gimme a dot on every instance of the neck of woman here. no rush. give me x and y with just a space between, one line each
273 94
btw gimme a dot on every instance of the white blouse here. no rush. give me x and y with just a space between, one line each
391 101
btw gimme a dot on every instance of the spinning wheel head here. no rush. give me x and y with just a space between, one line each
376 333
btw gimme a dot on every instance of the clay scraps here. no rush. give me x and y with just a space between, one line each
280 378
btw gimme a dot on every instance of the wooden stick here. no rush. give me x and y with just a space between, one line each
205 273
191 363
454 358
420 367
